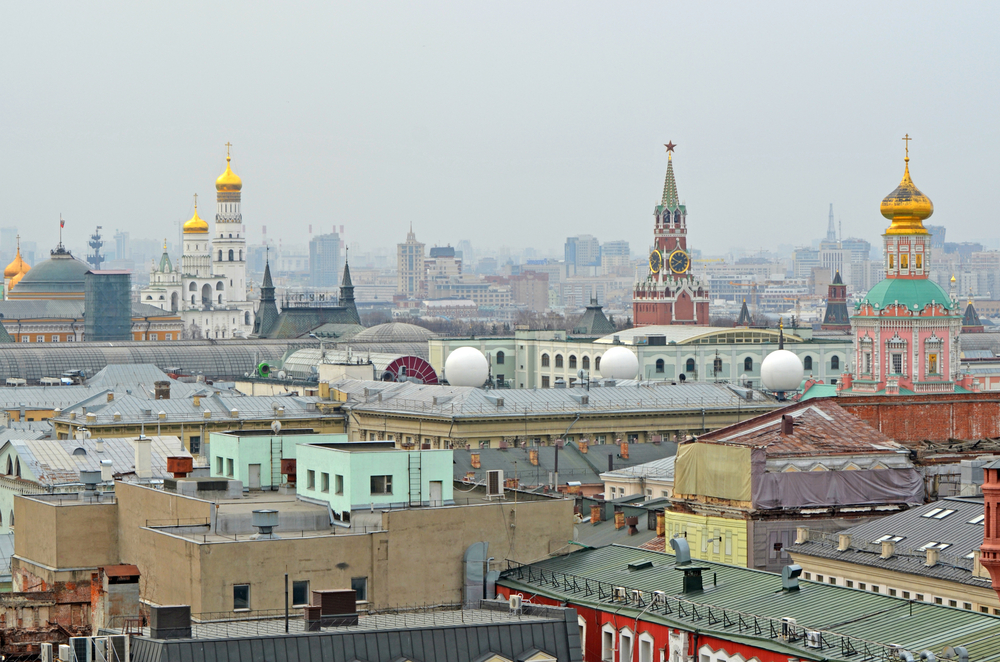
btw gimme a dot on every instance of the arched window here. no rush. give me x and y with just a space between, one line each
748 364
835 363
192 299
192 287
220 255
586 363
545 360
807 363
597 363
219 286
149 297
173 301
162 298
220 298
231 254
10 466
559 361
659 365
17 470
689 365
572 361
241 255
500 358
246 318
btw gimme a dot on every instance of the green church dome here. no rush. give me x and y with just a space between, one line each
915 293
60 276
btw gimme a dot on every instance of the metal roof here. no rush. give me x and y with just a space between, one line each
222 359
662 469
961 530
743 599
465 401
53 462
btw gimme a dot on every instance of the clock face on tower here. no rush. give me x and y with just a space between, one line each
679 262
655 262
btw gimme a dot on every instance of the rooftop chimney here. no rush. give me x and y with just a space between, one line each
180 466
989 552
933 555
161 390
624 449
196 400
107 470
844 542
533 456
90 479
787 424
888 549
595 513
111 396
143 457
475 460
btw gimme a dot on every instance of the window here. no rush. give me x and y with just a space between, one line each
819 578
25 338
919 260
360 587
659 365
625 646
952 603
835 363
597 363
978 519
586 363
689 365
229 467
168 336
906 595
10 466
938 513
897 364
572 362
324 482
311 479
888 538
545 381
919 597
892 592
848 583
17 472
832 580
152 336
862 585
892 261
807 363
545 360
55 338
218 466
645 647
40 339
300 593
936 545
381 485
966 605
231 255
559 360
748 364
904 261
868 363
607 643
241 597
500 358
338 484
874 588
932 364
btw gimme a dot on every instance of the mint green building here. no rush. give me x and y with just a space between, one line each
254 456
362 475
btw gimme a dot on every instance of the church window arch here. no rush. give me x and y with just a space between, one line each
17 472
220 255
192 287
659 365
241 255
500 358
220 299
219 286
231 254
246 318
572 361
559 360
835 362
173 301
688 365
545 360
162 298
10 466
149 297
586 363
807 363
597 363
192 300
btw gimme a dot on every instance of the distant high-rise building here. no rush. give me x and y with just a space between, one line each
582 255
123 249
410 266
324 260
831 229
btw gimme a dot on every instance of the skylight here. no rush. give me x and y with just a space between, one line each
978 519
936 545
938 513
889 538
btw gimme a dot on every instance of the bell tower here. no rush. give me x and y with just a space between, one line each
229 246
670 293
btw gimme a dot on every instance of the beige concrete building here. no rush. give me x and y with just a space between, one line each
202 552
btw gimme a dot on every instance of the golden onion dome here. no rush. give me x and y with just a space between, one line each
906 207
195 225
16 268
15 280
229 180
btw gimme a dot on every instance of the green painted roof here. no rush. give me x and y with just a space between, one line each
845 616
915 293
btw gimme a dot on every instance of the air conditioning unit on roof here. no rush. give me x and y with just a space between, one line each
494 483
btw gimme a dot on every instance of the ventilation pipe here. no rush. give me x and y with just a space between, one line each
107 471
787 425
143 457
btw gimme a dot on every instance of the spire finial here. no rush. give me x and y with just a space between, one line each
196 203
781 333
228 145
670 150
906 140
164 244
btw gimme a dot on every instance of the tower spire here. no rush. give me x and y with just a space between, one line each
670 198
831 232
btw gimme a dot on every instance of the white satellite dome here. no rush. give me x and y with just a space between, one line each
466 366
619 363
782 370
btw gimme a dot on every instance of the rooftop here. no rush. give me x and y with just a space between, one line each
749 604
688 335
661 469
464 401
954 525
52 462
819 427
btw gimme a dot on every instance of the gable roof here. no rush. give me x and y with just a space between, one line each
53 462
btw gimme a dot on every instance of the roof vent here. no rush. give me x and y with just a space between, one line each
682 553
610 382
90 479
234 413
787 425
790 577
582 398
265 522
207 414
495 399
642 564
958 653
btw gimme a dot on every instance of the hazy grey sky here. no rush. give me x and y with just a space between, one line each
504 123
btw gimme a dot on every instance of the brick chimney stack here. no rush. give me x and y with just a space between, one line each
990 549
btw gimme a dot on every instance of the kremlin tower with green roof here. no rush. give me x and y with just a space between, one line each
906 328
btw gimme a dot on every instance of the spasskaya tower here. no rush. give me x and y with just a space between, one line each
670 293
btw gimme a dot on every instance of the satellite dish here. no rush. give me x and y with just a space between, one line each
466 366
275 427
281 374
619 363
781 370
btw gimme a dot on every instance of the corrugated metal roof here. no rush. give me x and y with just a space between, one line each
662 469
54 462
468 401
683 335
834 610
